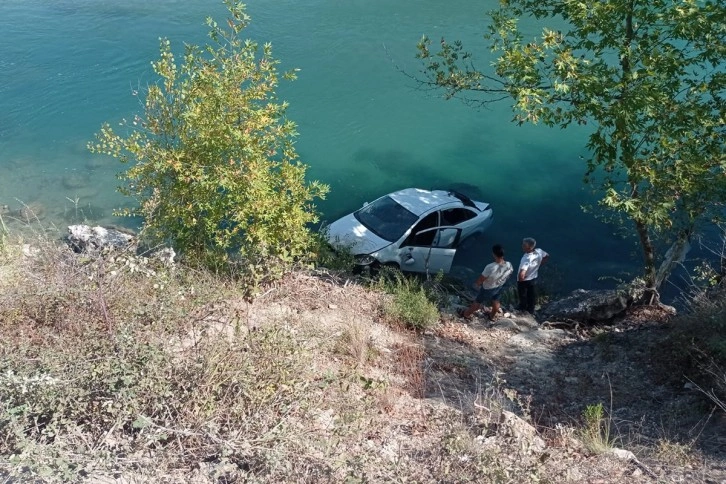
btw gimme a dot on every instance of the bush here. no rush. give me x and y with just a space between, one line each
215 168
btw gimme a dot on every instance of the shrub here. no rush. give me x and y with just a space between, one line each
215 169
338 258
411 304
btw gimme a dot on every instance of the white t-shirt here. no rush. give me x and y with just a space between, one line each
496 274
530 263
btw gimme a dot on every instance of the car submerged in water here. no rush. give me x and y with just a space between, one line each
413 229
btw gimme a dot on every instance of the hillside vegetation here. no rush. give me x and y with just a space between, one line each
119 368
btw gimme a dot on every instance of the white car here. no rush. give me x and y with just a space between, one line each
415 230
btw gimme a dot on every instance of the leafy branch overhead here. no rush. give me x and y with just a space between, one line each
647 77
212 159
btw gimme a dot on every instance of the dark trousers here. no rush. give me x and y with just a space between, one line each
527 295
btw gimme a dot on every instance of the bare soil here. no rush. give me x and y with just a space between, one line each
560 369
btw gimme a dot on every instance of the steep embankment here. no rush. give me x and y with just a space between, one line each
120 368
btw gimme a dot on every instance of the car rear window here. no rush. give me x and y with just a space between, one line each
386 218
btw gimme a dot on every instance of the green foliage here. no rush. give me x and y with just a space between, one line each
411 304
338 258
704 275
647 76
213 163
595 432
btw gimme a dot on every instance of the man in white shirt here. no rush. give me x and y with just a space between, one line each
491 281
529 266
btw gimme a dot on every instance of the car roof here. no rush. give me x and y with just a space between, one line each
418 201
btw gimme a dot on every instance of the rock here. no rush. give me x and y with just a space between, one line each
166 255
514 426
622 454
30 251
589 306
84 238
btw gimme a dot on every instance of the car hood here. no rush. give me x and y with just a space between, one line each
349 232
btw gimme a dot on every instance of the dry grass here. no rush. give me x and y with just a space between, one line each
410 365
355 343
678 454
123 366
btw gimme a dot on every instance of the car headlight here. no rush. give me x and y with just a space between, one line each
364 259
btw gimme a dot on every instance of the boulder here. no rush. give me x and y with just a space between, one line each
84 238
590 306
513 426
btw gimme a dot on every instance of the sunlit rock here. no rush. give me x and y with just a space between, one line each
84 238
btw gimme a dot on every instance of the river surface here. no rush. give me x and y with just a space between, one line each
366 129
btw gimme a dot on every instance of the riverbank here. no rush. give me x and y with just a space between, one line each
126 369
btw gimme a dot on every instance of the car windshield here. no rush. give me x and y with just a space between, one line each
386 218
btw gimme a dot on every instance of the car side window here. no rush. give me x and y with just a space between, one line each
427 238
446 238
454 216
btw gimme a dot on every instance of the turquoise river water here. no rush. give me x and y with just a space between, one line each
66 66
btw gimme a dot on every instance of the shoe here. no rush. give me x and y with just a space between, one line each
460 313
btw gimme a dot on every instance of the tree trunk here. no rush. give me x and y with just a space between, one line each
651 295
627 153
675 255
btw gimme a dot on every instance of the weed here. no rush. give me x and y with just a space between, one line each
410 365
355 343
411 303
674 453
595 433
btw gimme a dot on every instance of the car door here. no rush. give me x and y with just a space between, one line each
437 255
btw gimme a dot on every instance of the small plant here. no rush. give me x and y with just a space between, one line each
595 433
355 342
75 201
673 452
410 365
411 304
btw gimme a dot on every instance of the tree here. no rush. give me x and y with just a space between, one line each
648 76
214 167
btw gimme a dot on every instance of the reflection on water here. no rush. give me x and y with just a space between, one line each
365 128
